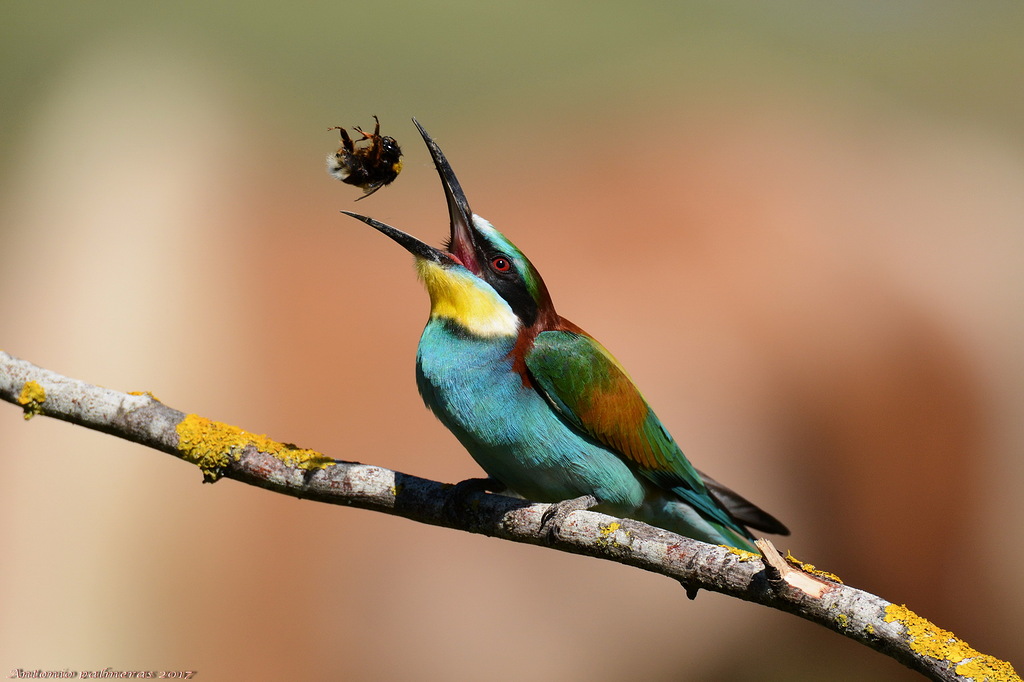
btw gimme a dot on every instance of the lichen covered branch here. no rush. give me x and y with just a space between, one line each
220 450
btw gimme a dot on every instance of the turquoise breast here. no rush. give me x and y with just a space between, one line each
509 429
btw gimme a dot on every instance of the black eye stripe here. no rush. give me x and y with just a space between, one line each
503 273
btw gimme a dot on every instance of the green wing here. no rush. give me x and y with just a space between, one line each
591 390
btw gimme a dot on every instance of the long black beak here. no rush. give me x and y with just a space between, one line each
410 243
461 243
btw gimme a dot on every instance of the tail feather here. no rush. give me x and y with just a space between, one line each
742 509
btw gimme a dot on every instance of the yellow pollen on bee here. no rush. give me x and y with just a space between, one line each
457 295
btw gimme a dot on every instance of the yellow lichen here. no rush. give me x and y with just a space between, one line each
212 445
929 640
809 568
743 554
988 668
869 628
32 398
396 490
146 393
842 619
607 532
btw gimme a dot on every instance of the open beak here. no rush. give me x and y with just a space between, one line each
461 244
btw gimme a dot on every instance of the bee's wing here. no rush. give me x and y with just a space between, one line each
370 189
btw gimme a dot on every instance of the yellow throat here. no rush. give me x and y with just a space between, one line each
457 295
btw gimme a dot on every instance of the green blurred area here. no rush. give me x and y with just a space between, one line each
541 60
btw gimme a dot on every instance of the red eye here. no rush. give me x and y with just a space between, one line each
501 264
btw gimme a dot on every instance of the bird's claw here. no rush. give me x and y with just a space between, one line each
555 515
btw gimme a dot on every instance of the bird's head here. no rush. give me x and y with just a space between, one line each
480 280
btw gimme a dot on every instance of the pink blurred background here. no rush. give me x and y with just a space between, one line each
800 228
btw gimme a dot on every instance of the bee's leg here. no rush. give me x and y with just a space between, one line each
376 130
346 141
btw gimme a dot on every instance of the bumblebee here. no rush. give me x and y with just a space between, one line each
370 166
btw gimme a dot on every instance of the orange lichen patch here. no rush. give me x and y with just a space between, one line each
212 445
146 393
929 640
32 398
809 568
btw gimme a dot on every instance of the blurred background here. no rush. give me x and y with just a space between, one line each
798 224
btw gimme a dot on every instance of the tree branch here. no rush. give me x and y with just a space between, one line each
220 450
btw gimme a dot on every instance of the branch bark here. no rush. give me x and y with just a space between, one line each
220 450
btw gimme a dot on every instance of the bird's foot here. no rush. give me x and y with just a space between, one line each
552 519
460 492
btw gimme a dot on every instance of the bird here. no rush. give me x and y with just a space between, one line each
544 409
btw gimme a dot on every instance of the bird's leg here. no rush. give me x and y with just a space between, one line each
456 500
552 519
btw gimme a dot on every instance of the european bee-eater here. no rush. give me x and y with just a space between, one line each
538 402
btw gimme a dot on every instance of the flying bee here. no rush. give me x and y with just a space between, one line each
370 166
